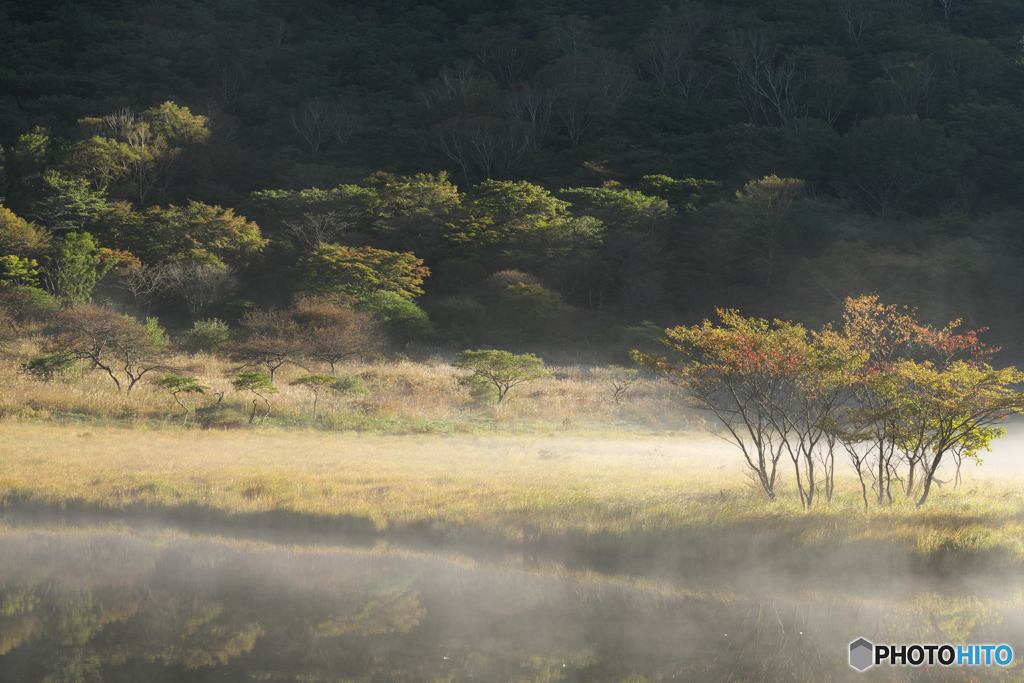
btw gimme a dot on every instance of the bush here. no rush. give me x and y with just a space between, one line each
463 320
211 336
403 320
26 305
49 367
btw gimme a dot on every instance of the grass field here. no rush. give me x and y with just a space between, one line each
643 504
402 397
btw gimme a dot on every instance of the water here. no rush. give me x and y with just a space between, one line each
118 603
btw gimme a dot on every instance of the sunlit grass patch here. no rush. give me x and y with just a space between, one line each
682 503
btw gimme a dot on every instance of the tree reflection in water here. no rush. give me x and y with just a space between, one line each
99 606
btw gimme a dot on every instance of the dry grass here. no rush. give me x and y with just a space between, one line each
610 503
404 397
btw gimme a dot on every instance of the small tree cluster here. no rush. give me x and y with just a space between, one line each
898 396
320 329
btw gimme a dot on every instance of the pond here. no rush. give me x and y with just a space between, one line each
111 602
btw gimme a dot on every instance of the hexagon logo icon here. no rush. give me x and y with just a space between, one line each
861 654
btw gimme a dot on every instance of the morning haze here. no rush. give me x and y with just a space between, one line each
511 341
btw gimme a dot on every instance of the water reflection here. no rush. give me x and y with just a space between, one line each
117 606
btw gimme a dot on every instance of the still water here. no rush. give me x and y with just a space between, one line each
117 603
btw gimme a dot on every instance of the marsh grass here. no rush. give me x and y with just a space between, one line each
405 397
619 506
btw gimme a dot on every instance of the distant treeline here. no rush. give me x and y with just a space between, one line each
607 154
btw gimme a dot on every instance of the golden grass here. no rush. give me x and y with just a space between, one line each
618 502
404 397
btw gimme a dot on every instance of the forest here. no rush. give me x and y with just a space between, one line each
524 176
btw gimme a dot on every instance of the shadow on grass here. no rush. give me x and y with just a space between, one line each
800 548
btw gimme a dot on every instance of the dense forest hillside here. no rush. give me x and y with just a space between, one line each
525 174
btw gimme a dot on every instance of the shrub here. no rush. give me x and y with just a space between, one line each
403 320
211 335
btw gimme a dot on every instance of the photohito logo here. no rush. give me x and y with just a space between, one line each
864 654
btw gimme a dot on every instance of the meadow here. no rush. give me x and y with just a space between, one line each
402 396
651 505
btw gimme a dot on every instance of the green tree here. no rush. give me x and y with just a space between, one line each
48 367
260 385
498 216
621 209
61 203
528 307
209 336
178 386
74 265
206 234
318 382
315 383
501 370
402 319
19 271
941 410
20 237
770 200
361 271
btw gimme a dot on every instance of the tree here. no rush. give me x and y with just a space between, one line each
74 265
260 385
485 147
61 203
402 319
317 382
20 237
209 234
501 369
361 271
738 373
199 285
941 410
48 367
114 343
771 198
923 393
146 284
271 341
528 306
19 271
177 386
210 336
620 380
332 333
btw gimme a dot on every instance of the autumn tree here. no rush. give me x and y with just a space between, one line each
737 372
361 271
271 340
19 237
205 234
332 333
923 394
117 344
